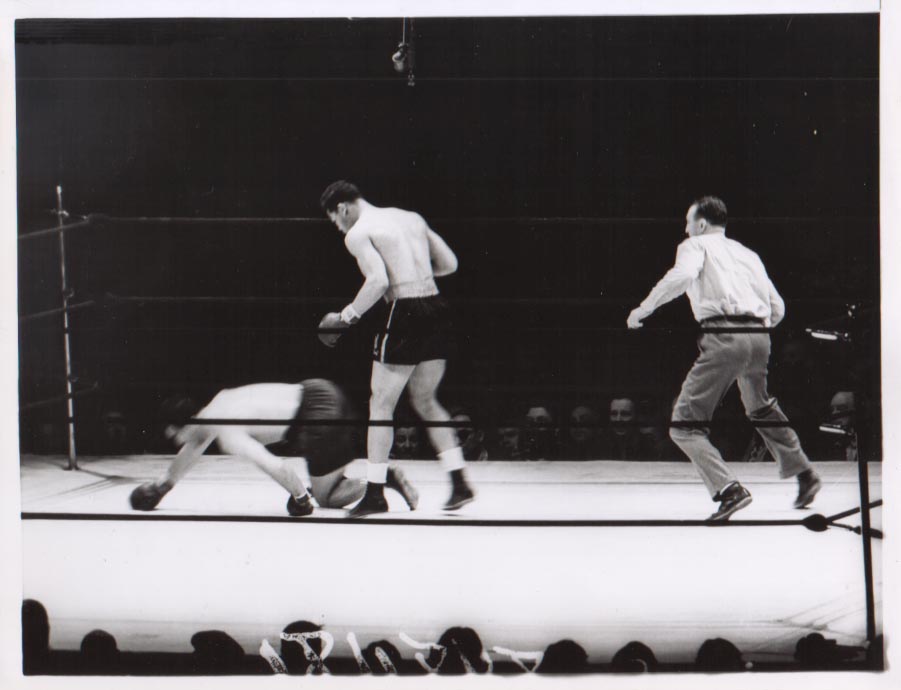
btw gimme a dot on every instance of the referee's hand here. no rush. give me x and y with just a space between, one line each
636 317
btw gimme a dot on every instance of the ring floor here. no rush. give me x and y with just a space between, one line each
220 553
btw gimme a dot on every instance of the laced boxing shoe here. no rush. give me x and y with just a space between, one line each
397 481
299 507
461 494
809 485
732 499
373 501
147 496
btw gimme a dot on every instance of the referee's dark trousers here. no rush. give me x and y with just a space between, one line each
724 359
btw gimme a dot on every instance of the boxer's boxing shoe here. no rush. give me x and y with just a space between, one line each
460 496
373 501
299 507
397 481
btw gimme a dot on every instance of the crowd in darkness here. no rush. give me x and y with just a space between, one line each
528 386
623 428
525 384
562 193
618 424
458 651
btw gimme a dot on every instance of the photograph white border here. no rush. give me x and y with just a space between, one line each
890 212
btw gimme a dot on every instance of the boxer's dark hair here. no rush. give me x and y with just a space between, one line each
711 208
337 193
177 410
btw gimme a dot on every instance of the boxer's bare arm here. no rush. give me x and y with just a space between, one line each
444 261
237 442
190 452
240 443
372 266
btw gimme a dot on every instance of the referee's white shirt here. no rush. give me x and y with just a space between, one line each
721 277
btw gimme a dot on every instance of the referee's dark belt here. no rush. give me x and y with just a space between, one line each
737 318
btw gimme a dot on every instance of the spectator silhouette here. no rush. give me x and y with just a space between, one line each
564 656
464 653
539 441
798 386
719 655
581 434
842 410
635 657
216 653
383 658
509 439
794 376
410 442
99 654
471 437
623 440
35 638
115 438
292 653
407 444
815 652
654 435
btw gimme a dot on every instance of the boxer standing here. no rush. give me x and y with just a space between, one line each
728 287
399 257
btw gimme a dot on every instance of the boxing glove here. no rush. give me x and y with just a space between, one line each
331 322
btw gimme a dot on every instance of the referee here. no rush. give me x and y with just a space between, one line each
728 288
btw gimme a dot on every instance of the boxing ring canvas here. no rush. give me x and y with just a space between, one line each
171 243
551 551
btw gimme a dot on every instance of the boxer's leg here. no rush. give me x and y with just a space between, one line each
424 382
387 384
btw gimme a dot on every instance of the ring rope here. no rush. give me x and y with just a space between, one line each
853 511
518 329
692 424
220 299
86 220
512 220
581 301
312 519
58 310
60 398
476 220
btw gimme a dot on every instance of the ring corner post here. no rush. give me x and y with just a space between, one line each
61 214
863 480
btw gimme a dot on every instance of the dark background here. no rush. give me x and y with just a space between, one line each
556 155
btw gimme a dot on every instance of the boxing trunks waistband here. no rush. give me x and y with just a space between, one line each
411 289
732 318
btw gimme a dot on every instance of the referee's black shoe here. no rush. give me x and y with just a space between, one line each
808 485
732 499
